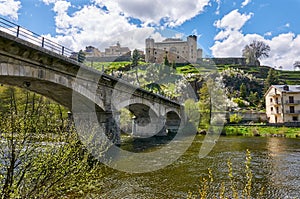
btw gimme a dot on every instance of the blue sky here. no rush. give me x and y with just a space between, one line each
223 27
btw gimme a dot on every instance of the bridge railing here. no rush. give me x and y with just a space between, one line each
23 33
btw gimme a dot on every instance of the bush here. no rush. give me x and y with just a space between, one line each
235 118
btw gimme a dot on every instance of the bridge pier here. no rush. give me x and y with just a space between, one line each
148 127
110 123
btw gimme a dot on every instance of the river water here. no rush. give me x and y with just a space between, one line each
275 167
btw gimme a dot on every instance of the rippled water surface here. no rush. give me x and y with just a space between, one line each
275 166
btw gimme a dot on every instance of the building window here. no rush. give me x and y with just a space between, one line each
155 52
277 110
271 100
272 109
291 99
292 109
295 118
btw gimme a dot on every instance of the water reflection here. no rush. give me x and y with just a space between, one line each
275 166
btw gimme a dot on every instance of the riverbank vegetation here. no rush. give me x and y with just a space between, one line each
208 188
40 153
261 130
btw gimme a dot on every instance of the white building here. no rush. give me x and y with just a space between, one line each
283 104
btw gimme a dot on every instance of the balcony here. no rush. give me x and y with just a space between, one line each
292 102
296 112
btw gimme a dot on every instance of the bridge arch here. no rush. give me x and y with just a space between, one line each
48 83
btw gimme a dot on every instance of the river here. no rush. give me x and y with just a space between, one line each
275 166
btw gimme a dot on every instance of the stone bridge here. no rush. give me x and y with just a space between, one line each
84 90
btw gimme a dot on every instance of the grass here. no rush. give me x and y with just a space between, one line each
264 131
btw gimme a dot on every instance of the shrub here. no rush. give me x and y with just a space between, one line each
235 118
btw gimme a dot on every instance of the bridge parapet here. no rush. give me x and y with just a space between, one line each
35 68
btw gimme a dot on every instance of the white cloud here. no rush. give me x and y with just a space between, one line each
10 8
93 25
246 2
268 34
219 6
230 41
287 25
172 12
285 50
48 2
233 20
104 22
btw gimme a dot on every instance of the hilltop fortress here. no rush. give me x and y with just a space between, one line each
176 50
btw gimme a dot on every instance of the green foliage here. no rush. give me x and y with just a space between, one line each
205 104
235 118
264 131
81 56
237 80
191 109
135 58
166 61
272 78
240 102
243 91
126 120
40 153
254 51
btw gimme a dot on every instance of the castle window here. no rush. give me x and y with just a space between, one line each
271 100
155 52
295 118
173 49
177 57
271 109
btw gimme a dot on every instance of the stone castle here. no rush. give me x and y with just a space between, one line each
176 50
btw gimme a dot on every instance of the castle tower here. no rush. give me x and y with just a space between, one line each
149 54
192 47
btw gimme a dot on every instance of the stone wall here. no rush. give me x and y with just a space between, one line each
223 61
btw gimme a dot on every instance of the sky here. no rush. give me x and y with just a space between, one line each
223 27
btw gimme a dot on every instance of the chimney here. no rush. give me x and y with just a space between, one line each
286 88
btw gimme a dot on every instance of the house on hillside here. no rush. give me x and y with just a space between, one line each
283 104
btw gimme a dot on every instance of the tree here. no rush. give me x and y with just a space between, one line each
272 78
243 91
41 155
134 63
254 51
296 65
81 56
212 102
253 98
